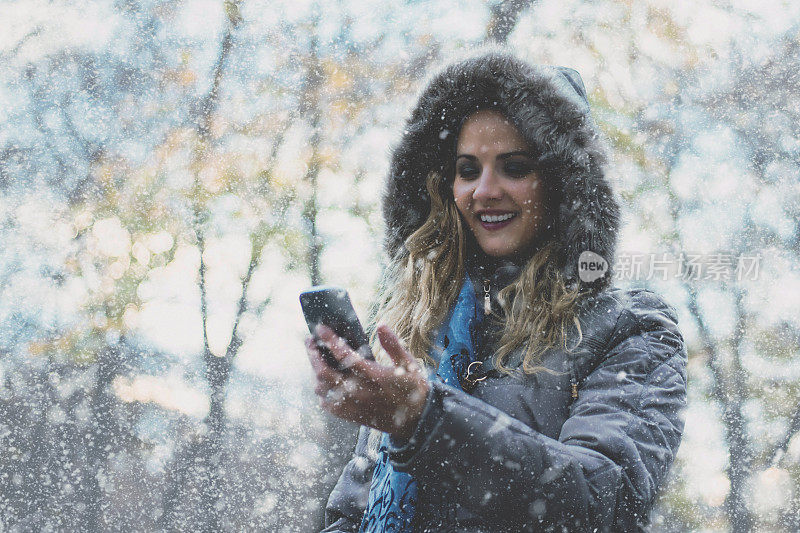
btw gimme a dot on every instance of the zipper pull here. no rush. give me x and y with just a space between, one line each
574 388
487 302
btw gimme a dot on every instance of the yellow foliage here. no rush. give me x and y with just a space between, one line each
186 77
340 107
37 348
338 78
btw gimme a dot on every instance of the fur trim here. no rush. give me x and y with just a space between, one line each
548 106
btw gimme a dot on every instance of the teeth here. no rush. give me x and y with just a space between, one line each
500 218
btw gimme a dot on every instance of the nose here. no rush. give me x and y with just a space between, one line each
488 186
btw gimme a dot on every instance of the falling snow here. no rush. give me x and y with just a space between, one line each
173 174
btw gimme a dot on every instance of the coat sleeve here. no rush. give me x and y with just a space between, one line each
609 461
348 499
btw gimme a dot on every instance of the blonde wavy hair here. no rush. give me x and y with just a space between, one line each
418 289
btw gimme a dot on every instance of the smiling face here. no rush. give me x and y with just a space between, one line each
496 190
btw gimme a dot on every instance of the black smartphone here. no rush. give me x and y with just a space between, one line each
329 305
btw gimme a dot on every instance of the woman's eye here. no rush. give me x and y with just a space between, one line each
513 169
518 169
467 171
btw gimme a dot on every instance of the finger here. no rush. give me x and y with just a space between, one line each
337 345
342 405
329 405
323 389
343 353
391 343
333 399
313 355
340 386
317 364
323 370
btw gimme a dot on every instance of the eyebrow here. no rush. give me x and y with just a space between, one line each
501 156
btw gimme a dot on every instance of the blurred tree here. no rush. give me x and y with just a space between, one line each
504 15
124 161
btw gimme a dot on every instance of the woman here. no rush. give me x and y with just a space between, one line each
515 388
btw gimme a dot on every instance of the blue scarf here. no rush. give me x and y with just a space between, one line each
393 495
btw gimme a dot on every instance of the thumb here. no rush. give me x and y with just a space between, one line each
391 343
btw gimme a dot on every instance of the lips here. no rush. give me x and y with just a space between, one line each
497 224
494 213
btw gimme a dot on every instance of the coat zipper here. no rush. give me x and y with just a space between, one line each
487 302
573 380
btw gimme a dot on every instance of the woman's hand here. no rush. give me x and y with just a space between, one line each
390 399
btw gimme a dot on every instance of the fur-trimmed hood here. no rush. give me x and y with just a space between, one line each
548 105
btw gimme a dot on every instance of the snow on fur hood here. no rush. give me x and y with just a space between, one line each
548 105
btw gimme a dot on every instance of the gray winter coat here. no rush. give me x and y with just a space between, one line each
519 454
585 447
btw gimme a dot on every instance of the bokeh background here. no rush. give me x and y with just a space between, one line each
174 172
